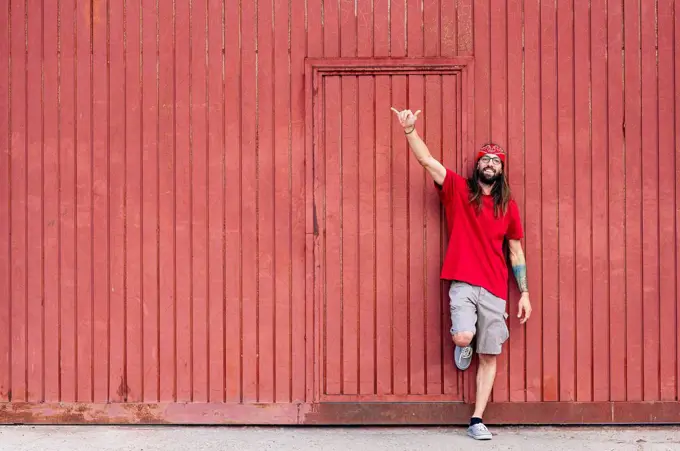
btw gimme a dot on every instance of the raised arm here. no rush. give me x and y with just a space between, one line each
519 268
408 120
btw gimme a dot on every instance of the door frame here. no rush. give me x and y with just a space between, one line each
315 70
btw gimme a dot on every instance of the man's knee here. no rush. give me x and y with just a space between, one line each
487 359
463 339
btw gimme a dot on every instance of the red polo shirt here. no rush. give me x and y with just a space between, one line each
475 251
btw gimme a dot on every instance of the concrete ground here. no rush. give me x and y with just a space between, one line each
170 438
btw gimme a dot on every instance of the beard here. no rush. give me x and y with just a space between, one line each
486 177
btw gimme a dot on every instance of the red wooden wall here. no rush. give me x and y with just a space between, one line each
155 203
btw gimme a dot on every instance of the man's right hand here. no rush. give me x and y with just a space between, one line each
406 118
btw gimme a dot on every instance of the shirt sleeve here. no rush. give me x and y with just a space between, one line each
448 187
515 231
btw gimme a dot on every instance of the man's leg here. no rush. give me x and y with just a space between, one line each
492 333
486 373
463 300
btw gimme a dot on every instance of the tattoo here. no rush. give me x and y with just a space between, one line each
521 276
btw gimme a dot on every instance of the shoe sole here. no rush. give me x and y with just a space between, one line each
480 437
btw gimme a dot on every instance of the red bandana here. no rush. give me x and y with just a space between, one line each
492 149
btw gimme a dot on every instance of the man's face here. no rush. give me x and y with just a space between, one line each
489 169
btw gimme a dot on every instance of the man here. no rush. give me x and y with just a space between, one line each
480 215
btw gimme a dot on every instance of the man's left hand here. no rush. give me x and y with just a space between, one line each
524 308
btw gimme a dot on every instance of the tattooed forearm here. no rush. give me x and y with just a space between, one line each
520 271
519 266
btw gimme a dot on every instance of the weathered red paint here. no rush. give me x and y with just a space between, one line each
359 413
166 256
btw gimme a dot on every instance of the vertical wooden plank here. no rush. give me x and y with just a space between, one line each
448 34
366 29
482 51
467 380
415 244
565 192
431 22
249 149
67 207
149 119
533 188
215 202
184 59
350 275
348 27
464 132
232 198
415 42
650 204
332 297
397 29
166 149
465 13
84 218
265 201
616 177
199 201
384 249
380 28
109 187
667 269
5 191
600 210
108 204
677 188
331 27
34 204
18 200
316 232
516 130
134 341
315 37
450 150
401 161
433 109
635 314
549 206
582 179
366 252
51 217
462 137
499 134
283 263
301 361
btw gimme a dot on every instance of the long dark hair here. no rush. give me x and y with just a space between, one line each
500 192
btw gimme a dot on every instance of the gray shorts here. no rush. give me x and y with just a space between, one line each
473 308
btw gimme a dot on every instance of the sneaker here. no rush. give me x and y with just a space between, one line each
479 432
463 357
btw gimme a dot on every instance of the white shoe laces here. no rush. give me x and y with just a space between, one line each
466 352
480 427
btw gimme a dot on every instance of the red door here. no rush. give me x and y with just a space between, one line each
382 312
